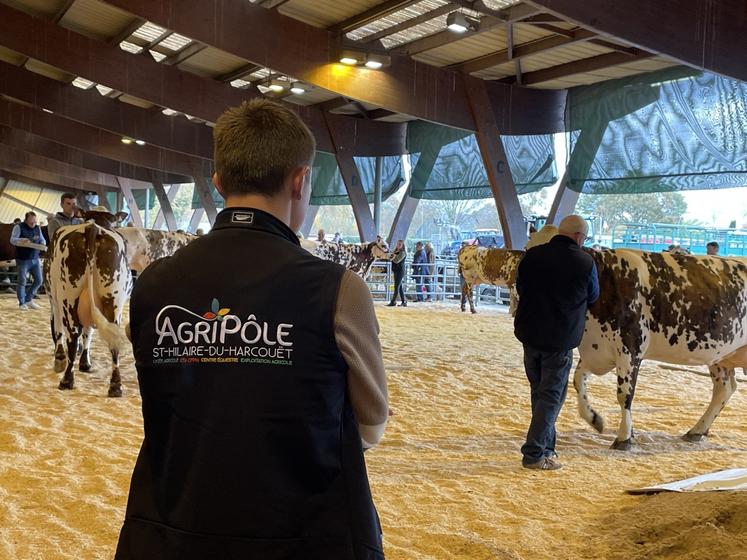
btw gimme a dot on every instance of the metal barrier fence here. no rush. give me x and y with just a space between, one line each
442 284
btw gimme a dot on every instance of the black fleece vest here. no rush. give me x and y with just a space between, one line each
553 295
251 448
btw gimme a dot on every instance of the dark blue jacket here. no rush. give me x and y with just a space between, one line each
556 282
419 262
251 448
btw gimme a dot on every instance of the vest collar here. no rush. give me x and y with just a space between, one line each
253 218
563 240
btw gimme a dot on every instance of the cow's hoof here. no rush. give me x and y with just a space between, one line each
694 438
60 365
598 423
85 368
473 311
115 392
463 309
618 445
65 385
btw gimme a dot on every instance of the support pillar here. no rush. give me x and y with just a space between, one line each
3 184
164 201
580 162
377 194
496 164
202 186
170 195
124 185
194 222
351 178
308 221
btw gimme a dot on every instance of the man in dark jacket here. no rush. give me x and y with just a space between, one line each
28 239
260 372
68 216
556 282
419 269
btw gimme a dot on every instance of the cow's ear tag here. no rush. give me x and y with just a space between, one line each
242 218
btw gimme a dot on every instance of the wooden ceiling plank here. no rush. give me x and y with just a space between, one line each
376 12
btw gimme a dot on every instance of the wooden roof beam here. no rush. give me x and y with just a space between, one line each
508 15
707 35
407 24
578 67
63 10
406 86
364 18
522 50
46 148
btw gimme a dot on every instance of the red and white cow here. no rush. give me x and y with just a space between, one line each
88 280
677 309
357 257
498 267
147 245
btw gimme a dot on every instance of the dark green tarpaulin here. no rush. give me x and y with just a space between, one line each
217 199
670 130
140 198
458 172
328 188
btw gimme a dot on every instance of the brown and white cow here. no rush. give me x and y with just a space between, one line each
677 309
147 245
483 265
357 257
88 281
498 267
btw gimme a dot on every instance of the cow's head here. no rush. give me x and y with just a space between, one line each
105 219
380 249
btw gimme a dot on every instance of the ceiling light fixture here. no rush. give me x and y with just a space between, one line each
351 57
277 86
375 61
299 88
169 112
460 23
140 142
126 140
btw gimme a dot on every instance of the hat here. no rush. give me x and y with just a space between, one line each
99 209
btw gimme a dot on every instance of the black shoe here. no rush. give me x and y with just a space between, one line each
403 304
391 304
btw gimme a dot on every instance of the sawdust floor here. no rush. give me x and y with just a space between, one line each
447 478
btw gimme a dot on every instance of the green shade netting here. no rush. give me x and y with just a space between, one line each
670 130
140 198
447 164
328 188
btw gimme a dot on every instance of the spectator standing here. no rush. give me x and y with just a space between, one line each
398 268
430 256
27 259
419 269
712 249
321 236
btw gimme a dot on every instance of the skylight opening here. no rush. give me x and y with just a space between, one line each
149 31
82 83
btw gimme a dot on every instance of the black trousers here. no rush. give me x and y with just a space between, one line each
399 276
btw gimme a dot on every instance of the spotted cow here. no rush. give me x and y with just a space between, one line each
357 257
88 281
483 265
147 245
677 309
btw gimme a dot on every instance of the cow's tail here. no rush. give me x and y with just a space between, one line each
112 333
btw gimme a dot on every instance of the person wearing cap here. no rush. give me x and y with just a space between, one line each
261 385
556 282
68 216
27 259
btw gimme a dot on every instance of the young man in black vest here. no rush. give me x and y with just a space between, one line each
260 372
27 259
556 282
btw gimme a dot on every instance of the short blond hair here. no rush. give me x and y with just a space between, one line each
257 145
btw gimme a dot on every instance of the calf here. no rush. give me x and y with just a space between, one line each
672 308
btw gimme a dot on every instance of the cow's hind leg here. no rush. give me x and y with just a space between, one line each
85 359
627 375
724 385
115 384
68 378
584 406
467 294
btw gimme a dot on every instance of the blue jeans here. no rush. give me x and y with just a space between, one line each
24 267
548 378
